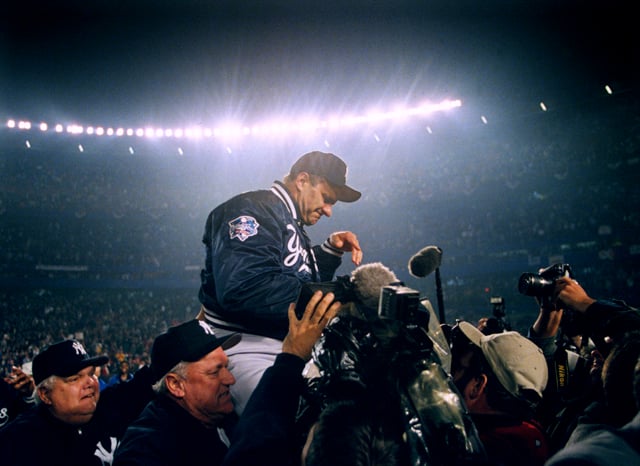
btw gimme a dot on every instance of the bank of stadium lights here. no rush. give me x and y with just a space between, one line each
236 130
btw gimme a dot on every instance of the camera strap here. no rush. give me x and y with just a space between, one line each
559 371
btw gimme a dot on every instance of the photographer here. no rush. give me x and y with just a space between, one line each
605 321
576 333
502 377
604 444
566 306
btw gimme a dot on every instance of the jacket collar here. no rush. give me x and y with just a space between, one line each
279 189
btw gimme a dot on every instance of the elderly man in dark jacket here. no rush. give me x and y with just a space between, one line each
73 423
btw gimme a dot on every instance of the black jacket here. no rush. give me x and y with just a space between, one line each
165 434
267 427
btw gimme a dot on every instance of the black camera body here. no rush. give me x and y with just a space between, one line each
399 302
342 288
499 308
542 284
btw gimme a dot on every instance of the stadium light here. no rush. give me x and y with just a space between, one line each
267 128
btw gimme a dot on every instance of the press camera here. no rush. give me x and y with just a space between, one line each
542 284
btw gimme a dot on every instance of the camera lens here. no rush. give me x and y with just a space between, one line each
531 284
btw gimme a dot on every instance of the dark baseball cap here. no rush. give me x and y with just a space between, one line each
189 341
63 359
330 167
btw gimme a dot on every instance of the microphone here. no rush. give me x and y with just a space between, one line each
425 261
368 280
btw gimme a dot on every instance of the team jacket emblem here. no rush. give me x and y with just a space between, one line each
243 228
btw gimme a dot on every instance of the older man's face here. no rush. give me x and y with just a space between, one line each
73 399
314 201
206 387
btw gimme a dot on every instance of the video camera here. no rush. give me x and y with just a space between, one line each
342 288
390 355
401 303
397 302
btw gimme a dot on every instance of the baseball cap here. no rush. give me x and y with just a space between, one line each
517 362
63 359
189 341
329 166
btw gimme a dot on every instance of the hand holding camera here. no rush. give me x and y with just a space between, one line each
542 285
572 294
555 289
306 329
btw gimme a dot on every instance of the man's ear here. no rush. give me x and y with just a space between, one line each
43 393
476 386
175 384
302 178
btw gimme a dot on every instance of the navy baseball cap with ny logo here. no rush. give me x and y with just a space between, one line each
188 342
63 359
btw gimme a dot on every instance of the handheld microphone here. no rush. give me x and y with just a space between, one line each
425 261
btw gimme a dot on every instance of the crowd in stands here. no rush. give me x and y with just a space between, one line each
119 323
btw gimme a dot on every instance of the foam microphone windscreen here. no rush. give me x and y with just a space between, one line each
425 261
368 280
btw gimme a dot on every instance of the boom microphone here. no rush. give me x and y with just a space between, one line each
425 261
368 280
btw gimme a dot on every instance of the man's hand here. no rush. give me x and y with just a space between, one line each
347 241
21 381
572 294
304 333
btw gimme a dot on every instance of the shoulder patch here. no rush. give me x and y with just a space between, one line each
243 227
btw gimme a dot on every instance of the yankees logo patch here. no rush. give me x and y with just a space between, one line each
243 227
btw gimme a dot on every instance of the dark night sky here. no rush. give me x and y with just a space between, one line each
157 63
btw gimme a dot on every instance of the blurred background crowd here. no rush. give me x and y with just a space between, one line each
105 245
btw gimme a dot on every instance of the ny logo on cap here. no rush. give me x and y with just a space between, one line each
206 327
78 347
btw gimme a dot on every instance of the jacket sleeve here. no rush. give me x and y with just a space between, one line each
266 429
328 259
612 318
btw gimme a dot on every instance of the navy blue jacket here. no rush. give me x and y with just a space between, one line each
165 434
267 427
258 255
12 403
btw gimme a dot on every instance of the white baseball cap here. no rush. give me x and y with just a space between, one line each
517 362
